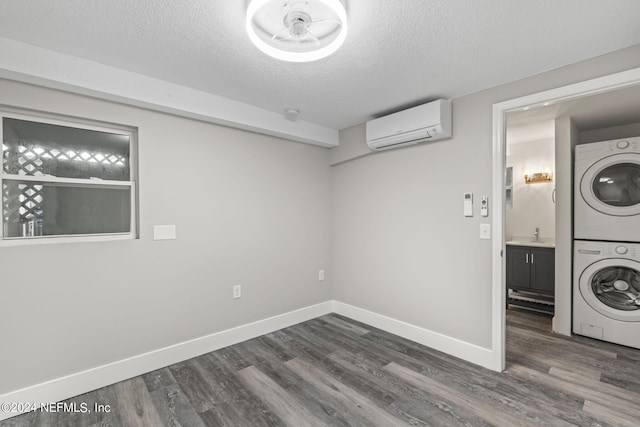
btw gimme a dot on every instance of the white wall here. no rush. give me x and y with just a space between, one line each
401 246
249 209
609 133
566 139
532 203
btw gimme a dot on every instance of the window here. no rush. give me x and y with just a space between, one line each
64 179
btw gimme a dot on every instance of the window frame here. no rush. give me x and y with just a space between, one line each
85 124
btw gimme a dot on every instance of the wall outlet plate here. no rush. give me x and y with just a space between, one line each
164 232
485 231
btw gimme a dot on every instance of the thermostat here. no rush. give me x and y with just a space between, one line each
468 204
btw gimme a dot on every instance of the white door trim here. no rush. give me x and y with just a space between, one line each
573 91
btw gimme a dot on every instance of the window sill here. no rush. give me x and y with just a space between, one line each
23 241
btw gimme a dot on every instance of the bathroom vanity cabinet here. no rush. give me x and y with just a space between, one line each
531 272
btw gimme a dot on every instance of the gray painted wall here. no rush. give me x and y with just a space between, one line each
401 246
249 209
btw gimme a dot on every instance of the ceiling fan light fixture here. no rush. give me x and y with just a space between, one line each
297 30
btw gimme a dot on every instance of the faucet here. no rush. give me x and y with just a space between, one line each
537 234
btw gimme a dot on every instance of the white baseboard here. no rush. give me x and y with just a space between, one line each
463 350
101 376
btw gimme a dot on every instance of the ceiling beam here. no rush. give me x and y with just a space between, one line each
30 64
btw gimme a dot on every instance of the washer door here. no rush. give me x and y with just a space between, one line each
612 185
612 288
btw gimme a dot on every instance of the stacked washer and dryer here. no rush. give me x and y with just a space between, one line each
606 272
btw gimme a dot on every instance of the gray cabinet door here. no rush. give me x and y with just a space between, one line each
518 267
543 264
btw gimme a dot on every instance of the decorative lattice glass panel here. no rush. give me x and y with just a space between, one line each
51 209
33 148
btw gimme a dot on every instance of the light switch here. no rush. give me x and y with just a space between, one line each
164 232
485 231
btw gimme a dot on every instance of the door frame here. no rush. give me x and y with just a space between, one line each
573 91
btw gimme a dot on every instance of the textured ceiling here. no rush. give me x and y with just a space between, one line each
397 53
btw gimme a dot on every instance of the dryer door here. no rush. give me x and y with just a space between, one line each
612 185
612 288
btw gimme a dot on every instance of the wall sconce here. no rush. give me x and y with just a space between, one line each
531 178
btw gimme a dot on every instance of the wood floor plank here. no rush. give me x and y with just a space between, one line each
541 356
173 406
352 401
134 404
349 327
558 340
531 341
200 393
236 404
612 391
339 341
279 401
277 348
622 380
319 404
579 390
364 384
158 379
477 407
414 405
529 320
609 416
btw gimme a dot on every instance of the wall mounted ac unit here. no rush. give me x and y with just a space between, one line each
427 122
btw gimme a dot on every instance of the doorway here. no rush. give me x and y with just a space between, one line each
563 234
530 209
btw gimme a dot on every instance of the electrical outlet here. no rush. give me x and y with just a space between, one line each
320 275
237 291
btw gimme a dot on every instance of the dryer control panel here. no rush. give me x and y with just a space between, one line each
616 146
627 144
621 250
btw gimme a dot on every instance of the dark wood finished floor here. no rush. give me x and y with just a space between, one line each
333 371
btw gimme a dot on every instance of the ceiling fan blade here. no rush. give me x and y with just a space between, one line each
314 38
275 36
327 21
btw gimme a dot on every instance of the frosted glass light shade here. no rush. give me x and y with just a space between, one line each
297 30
